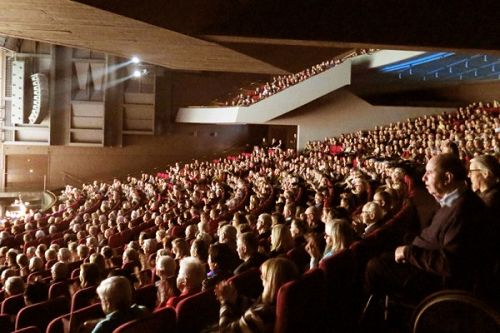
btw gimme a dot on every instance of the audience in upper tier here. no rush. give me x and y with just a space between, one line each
193 226
253 95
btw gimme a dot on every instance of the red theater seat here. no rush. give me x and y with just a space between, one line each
300 306
197 312
40 314
161 321
248 283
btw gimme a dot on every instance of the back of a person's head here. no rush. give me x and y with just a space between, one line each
192 270
36 292
60 271
275 273
166 266
36 264
64 254
452 164
228 234
221 255
199 249
14 286
250 241
116 293
130 255
89 275
7 273
107 252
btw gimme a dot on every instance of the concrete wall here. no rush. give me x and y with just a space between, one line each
343 112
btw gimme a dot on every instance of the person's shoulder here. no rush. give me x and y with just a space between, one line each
104 326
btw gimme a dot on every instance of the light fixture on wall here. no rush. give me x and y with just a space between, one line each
135 60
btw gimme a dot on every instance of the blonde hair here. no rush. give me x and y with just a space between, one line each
275 273
341 233
281 238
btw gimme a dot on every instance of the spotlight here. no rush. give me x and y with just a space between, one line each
137 73
135 60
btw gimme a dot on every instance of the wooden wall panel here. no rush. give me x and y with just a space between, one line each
25 172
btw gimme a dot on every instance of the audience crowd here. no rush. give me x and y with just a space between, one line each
259 91
193 226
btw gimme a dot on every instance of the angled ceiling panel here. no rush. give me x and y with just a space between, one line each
77 25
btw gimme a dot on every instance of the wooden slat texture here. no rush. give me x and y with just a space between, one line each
76 25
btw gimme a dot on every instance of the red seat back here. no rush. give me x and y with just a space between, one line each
146 296
29 329
300 304
59 289
342 289
248 283
83 297
196 312
40 314
5 324
11 305
161 321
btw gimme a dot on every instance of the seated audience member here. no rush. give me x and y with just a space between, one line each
107 253
189 279
264 222
484 174
23 263
7 273
83 252
116 301
89 277
383 199
131 265
313 219
180 248
247 246
50 258
199 250
298 229
259 317
339 235
281 240
166 286
220 258
13 286
100 262
449 252
371 217
59 272
64 255
35 292
36 265
227 235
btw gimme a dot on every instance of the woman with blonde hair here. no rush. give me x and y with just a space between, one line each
339 235
259 317
281 240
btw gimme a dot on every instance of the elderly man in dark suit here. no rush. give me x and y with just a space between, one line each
450 251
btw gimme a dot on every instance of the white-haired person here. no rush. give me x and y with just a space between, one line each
260 316
189 279
115 294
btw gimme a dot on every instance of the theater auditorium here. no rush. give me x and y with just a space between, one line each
244 166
